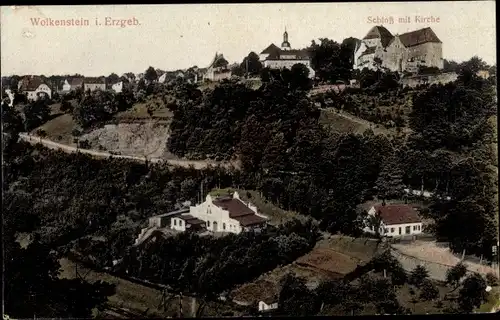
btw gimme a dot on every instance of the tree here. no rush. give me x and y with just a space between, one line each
33 287
491 280
66 106
418 275
95 107
428 291
112 79
455 274
472 294
295 299
251 64
330 60
390 181
150 75
35 114
299 77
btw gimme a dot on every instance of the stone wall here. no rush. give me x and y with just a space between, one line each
442 78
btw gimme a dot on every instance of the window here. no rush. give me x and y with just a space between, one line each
392 230
175 222
209 210
180 223
208 223
224 226
386 230
414 228
399 230
408 230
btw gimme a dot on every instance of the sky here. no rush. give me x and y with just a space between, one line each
171 37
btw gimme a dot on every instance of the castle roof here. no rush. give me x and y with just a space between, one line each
414 38
299 54
380 32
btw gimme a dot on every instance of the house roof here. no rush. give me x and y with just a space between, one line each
31 83
75 81
250 220
235 207
417 37
270 49
380 32
397 214
238 211
219 61
190 219
299 54
94 80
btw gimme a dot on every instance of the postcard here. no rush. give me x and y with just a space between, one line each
263 159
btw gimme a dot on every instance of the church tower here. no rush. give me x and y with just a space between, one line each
285 45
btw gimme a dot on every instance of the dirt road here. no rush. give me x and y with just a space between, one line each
201 164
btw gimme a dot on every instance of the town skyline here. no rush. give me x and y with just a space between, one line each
119 39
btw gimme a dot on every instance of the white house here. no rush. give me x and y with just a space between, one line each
93 84
285 57
218 69
223 214
72 84
34 87
263 307
395 220
117 87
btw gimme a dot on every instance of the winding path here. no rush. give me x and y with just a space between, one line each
200 164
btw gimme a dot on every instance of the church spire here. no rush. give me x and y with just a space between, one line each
285 45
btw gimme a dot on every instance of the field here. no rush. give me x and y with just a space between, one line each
330 261
140 110
59 129
341 124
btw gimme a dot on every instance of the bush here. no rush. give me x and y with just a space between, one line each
491 280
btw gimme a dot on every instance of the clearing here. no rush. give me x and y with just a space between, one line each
138 139
437 253
332 258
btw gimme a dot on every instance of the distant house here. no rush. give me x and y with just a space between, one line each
163 78
224 214
34 87
71 84
485 74
274 57
93 84
269 305
117 87
395 220
218 69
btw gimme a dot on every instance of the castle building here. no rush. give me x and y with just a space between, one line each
404 52
275 57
